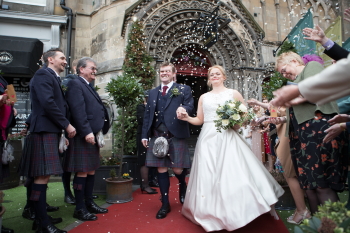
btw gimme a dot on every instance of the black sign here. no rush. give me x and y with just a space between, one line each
210 34
22 105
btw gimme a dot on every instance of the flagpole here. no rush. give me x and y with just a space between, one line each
275 50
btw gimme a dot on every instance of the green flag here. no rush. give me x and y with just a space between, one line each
333 32
297 38
346 44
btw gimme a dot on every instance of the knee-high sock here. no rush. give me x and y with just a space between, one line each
66 183
348 204
89 187
164 184
79 189
28 185
182 177
38 197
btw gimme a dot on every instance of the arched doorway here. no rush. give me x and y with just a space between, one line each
192 66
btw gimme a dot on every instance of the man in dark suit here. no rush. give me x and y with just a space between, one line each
89 116
164 104
48 119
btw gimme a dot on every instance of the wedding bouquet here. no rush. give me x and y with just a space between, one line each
232 113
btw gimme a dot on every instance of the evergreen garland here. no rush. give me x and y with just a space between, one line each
137 65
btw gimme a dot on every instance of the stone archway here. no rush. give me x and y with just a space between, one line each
167 24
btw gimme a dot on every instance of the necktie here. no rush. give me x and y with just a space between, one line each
164 90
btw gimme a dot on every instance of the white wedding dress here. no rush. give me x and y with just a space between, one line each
228 186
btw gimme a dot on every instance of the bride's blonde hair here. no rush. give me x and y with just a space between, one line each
222 70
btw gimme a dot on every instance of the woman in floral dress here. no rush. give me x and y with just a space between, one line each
321 167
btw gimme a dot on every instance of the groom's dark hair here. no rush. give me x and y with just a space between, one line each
168 64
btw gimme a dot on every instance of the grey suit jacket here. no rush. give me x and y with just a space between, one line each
330 84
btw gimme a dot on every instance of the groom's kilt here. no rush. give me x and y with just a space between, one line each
81 156
40 155
178 151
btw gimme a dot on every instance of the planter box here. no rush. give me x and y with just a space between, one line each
286 201
130 166
119 191
13 180
100 175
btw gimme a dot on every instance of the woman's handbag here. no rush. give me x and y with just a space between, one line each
161 147
7 153
62 146
100 140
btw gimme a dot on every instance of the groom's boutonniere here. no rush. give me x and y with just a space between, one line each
175 92
64 88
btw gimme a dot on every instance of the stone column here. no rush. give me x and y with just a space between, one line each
277 5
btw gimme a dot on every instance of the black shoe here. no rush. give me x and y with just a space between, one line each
153 183
69 199
51 208
182 193
28 213
84 215
53 221
50 229
94 196
164 210
153 191
94 208
6 230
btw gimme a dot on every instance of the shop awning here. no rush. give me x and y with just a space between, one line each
20 55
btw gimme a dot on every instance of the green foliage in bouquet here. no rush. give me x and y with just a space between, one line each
230 114
332 217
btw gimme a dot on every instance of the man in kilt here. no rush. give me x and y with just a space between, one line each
88 116
48 119
164 104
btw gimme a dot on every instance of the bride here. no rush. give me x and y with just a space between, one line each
228 187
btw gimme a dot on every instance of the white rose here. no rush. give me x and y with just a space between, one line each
225 122
232 106
236 117
243 108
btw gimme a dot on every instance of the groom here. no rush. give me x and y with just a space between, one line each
164 104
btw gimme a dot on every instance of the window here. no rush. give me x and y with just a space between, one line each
29 2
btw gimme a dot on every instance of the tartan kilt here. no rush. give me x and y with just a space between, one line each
178 151
40 156
81 156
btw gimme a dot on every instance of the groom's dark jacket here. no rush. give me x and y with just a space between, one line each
176 127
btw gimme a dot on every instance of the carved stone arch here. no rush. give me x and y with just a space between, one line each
167 24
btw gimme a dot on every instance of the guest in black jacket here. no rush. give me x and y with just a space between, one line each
48 119
89 116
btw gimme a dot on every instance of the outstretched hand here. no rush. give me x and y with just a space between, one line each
339 119
316 34
347 14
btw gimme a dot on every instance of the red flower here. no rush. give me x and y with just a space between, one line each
324 157
303 146
300 170
334 144
316 165
307 124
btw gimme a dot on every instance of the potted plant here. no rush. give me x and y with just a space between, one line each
125 91
286 201
118 191
103 172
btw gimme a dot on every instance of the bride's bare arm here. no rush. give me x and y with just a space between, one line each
199 119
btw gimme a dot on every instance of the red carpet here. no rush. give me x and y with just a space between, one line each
139 216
